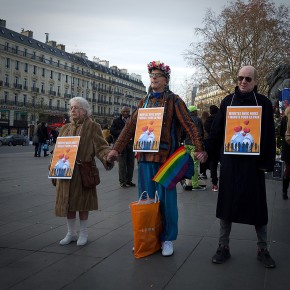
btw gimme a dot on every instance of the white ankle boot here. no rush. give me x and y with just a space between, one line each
68 239
71 235
83 236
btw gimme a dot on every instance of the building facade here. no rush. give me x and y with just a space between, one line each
207 96
38 79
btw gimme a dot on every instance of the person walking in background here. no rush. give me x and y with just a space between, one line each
127 156
35 140
285 154
107 135
189 145
203 167
72 196
214 159
43 137
54 134
242 189
175 117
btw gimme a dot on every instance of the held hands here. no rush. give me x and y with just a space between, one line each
112 156
201 156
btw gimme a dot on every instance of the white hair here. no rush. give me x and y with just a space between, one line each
83 103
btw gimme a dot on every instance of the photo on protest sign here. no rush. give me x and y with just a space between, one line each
243 130
148 129
64 157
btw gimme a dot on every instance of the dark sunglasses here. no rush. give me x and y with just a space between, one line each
241 78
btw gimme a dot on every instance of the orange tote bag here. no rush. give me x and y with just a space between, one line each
147 225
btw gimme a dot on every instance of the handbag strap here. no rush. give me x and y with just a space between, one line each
156 198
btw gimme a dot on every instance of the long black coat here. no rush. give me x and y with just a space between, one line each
242 189
42 134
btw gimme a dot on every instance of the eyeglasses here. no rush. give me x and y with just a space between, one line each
75 107
241 78
157 75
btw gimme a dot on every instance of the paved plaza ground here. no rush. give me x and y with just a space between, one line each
31 257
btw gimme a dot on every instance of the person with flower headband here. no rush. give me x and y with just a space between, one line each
175 118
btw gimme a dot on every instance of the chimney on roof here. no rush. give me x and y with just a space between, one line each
2 23
80 54
104 63
61 46
52 43
27 33
46 37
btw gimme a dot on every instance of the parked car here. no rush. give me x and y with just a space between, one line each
14 140
1 141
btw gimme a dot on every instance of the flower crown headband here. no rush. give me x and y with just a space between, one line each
156 64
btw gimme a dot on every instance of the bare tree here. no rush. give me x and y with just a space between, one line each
255 33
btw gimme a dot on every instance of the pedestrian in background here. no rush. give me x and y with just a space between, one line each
43 138
213 160
127 156
242 189
72 196
285 154
175 117
54 134
203 167
107 135
35 140
191 148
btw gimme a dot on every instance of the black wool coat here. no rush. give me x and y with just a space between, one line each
242 189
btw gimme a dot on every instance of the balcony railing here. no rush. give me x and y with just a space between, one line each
18 86
52 93
34 89
30 106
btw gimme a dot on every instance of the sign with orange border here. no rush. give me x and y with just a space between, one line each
243 130
64 157
148 129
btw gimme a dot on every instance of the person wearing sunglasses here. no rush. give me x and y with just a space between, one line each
242 190
175 118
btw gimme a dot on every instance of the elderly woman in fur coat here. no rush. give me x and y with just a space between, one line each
71 195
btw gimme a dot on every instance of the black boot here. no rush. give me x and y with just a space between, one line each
285 187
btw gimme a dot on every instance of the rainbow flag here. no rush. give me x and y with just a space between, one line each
177 167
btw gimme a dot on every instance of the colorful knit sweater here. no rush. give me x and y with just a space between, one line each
175 118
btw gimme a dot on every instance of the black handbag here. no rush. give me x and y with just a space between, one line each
89 173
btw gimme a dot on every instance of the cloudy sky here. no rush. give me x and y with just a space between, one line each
127 33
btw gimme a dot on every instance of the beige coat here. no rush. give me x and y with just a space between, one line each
71 195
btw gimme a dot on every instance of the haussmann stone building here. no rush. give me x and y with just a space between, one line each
37 79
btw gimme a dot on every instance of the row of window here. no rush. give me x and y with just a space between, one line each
78 70
84 84
67 93
18 115
24 101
